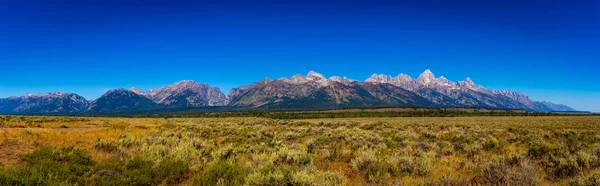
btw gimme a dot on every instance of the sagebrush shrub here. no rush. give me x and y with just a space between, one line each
107 145
223 172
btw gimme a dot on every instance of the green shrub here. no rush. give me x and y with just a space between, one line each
49 165
428 135
126 140
565 167
305 159
138 171
510 170
222 172
270 178
491 144
107 145
287 156
593 180
405 165
366 163
424 163
311 176
311 144
335 153
540 150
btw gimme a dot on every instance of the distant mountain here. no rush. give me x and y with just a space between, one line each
121 100
57 102
311 91
462 93
182 94
185 94
551 107
315 91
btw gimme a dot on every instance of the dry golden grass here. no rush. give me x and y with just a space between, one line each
440 150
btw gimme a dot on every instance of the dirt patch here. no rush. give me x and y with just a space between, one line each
11 150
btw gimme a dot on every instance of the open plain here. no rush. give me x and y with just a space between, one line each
501 150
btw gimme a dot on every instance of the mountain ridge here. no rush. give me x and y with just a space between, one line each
298 91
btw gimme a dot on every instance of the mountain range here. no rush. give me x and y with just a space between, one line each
313 91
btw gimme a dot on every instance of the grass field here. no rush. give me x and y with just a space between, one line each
541 150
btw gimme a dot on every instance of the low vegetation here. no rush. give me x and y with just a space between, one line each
540 150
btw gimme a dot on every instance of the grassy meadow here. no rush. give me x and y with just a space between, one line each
499 150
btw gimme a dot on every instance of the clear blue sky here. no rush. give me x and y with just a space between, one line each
547 49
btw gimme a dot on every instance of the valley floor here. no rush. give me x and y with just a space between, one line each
542 150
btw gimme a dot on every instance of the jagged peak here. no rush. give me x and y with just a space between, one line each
510 92
372 77
380 78
296 76
404 76
426 77
295 79
57 93
427 72
469 81
312 75
136 90
339 79
186 82
117 90
335 78
265 79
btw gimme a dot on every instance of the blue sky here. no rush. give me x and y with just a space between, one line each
548 49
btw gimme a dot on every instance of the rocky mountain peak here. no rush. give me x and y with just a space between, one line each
426 77
51 102
470 85
185 83
342 80
469 81
403 76
335 78
296 79
379 78
118 90
186 93
266 79
49 94
314 76
137 91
